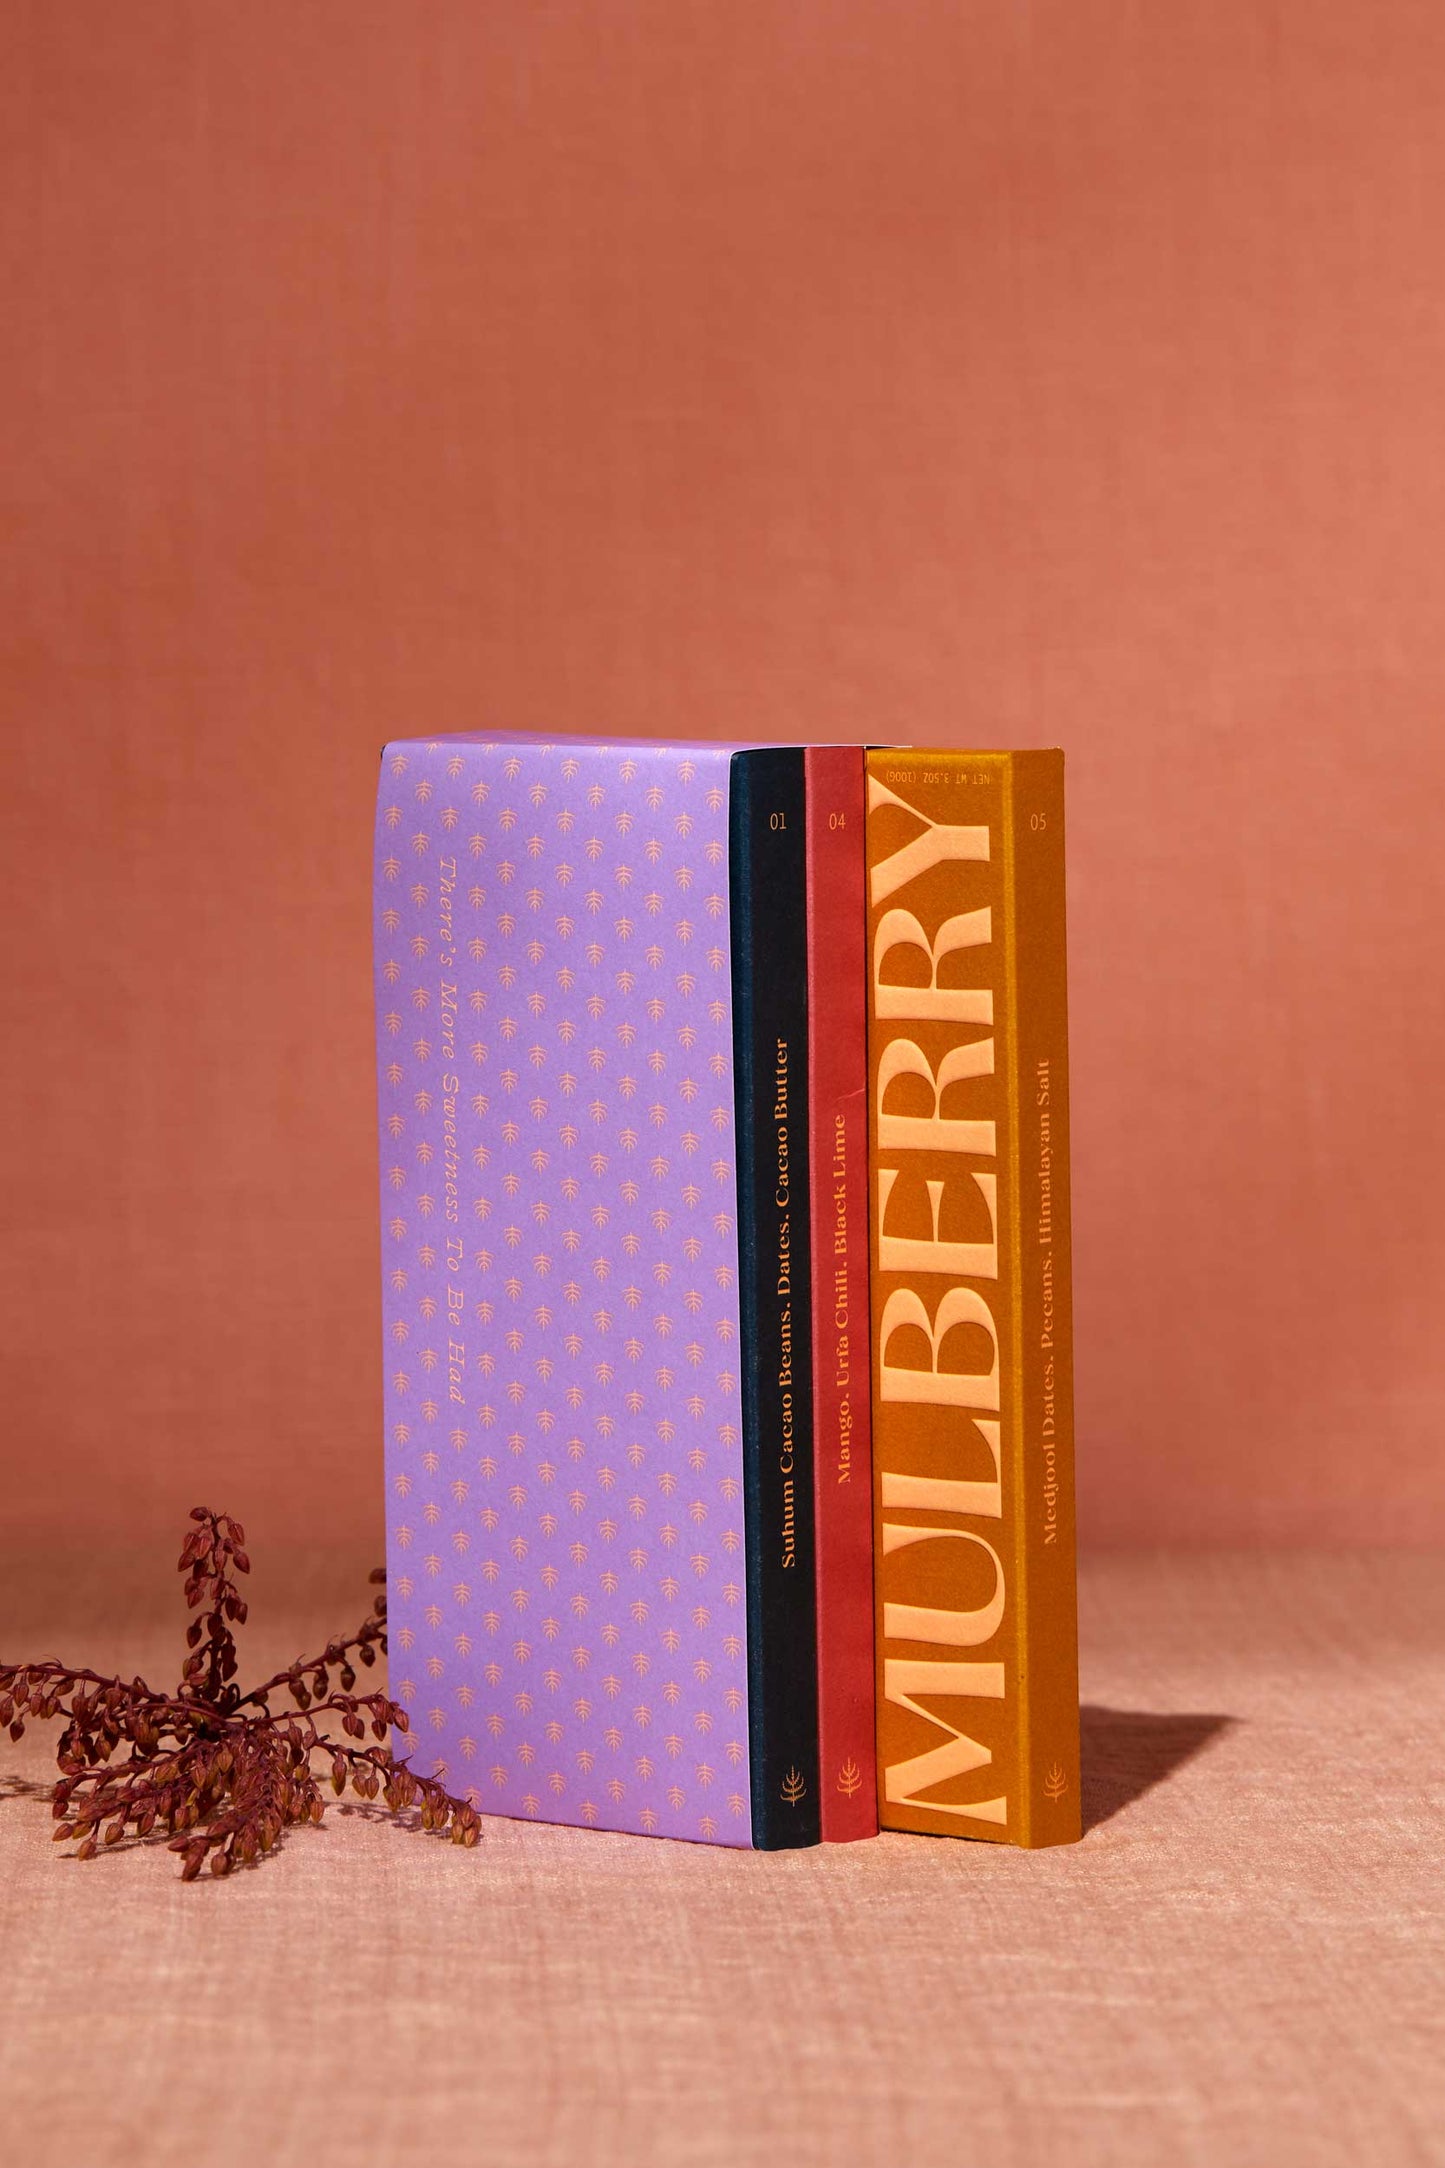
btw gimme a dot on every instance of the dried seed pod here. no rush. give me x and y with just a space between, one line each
233 1775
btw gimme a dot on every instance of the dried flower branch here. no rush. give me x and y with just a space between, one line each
218 1770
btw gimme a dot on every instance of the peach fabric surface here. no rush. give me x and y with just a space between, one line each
958 371
1243 1962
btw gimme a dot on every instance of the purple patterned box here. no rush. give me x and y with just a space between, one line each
563 1426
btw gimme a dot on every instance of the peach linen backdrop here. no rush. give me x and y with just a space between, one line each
960 372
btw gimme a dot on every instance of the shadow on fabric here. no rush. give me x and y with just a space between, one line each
1126 1752
15 1787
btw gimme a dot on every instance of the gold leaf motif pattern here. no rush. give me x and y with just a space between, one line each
564 1467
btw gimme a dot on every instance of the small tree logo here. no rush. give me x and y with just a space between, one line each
849 1779
794 1787
1056 1783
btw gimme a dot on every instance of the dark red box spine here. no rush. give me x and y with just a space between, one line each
842 1401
